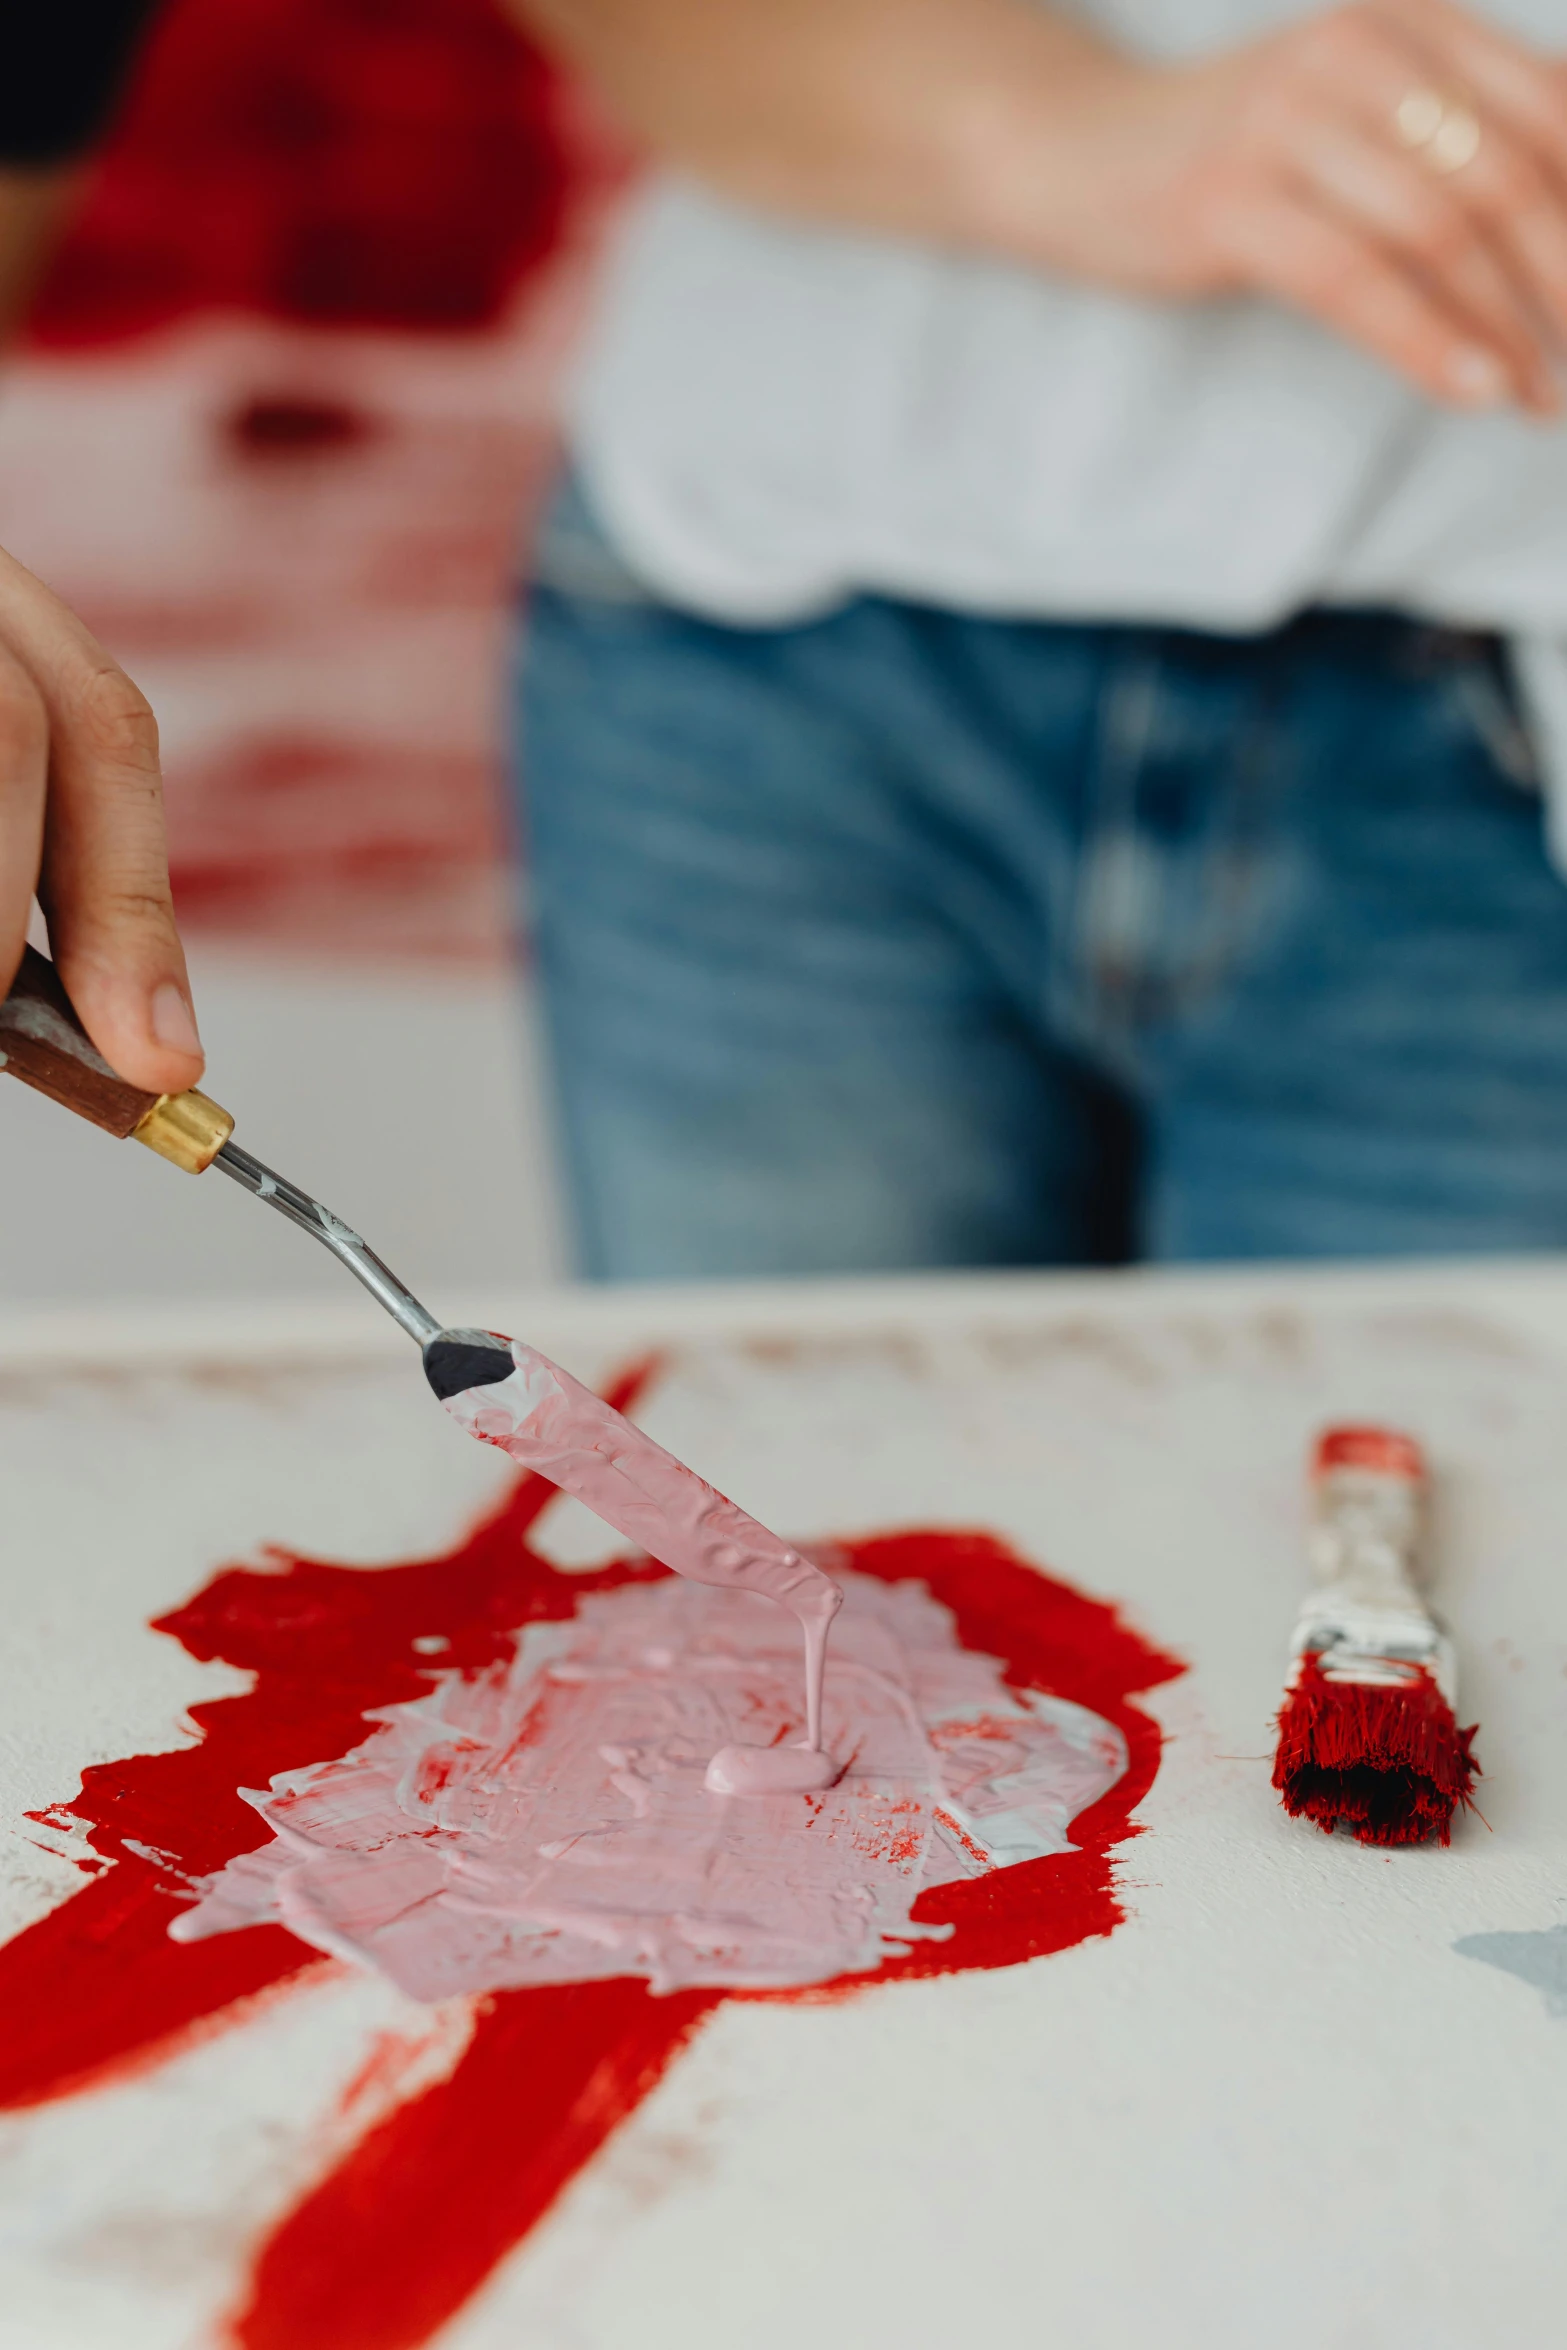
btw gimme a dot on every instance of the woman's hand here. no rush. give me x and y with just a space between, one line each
1395 168
81 824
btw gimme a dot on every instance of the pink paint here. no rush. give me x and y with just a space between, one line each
549 1820
548 1422
795 1769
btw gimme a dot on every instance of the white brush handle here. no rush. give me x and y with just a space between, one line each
1367 1620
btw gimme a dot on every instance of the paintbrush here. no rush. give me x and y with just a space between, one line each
499 1389
1367 1731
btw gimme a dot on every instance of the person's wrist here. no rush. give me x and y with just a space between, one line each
1021 143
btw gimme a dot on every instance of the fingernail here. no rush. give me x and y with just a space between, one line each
1477 378
173 1021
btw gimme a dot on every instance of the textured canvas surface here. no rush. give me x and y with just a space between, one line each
1295 2058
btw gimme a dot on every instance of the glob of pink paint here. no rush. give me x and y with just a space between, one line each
553 1820
549 1422
547 1821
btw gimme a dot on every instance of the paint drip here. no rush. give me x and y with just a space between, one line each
550 1821
549 1422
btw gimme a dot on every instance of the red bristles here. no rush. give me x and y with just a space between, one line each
1391 1763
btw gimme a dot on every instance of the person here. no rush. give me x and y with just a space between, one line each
1022 726
1024 752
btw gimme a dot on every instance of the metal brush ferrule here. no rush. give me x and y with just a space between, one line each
185 1128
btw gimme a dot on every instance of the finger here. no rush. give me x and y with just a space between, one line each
1510 81
1528 222
1524 218
24 764
1518 176
1344 278
105 880
1483 288
1419 219
1514 184
1513 187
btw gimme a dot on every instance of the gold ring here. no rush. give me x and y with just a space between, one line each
1443 132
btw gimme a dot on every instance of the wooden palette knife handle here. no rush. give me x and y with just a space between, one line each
44 1043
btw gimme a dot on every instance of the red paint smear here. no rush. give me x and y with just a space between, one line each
384 2250
90 1990
394 2242
391 2055
1048 1637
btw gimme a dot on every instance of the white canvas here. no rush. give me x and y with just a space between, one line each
1277 2105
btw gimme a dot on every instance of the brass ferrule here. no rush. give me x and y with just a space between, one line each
186 1128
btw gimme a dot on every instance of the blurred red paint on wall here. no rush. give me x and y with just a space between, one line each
381 163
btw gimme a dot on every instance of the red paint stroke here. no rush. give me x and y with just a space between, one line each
90 1990
384 2250
426 2205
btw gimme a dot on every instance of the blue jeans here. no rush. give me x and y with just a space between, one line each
905 938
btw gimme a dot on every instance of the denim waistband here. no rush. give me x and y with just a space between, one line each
574 555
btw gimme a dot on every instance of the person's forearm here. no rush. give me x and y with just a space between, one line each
929 118
1395 168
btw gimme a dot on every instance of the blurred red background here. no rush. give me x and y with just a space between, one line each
394 163
285 403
